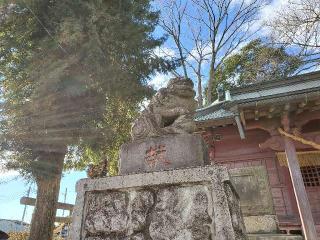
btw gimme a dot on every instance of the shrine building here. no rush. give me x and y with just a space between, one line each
271 131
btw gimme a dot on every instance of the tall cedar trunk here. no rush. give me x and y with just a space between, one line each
43 218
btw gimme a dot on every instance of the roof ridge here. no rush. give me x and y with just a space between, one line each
275 83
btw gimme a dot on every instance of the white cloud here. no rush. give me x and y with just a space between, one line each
194 54
268 13
160 80
238 48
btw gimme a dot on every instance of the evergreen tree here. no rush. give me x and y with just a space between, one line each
60 63
256 62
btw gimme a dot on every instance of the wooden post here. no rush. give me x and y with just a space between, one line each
308 225
32 202
25 207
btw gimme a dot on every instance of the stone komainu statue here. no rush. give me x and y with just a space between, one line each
170 111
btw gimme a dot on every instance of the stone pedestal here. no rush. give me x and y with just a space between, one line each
185 204
163 153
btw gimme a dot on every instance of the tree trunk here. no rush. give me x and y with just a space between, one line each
200 99
211 79
44 214
210 84
182 60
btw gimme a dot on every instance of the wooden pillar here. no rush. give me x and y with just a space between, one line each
308 225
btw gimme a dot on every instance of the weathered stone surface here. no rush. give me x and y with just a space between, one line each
181 213
138 236
106 213
162 153
261 224
235 210
141 203
170 111
274 237
252 185
117 213
186 204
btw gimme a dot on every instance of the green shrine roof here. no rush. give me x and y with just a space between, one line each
282 90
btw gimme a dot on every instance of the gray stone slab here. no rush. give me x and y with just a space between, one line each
261 224
252 185
186 204
274 237
163 153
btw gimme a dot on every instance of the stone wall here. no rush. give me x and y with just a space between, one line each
188 204
175 212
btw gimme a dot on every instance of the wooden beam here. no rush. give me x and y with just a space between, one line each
32 202
315 108
308 225
276 143
301 107
242 117
240 127
299 110
256 115
265 124
271 111
303 118
287 107
63 219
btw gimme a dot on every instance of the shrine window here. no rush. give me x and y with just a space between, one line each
311 176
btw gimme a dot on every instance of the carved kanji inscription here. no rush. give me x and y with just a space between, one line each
156 155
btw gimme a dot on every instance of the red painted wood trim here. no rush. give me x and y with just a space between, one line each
308 225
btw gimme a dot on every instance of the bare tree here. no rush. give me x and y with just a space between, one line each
297 24
172 22
209 31
199 55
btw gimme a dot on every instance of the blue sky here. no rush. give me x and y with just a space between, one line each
12 189
267 13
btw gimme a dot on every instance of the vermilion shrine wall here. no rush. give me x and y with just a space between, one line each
226 147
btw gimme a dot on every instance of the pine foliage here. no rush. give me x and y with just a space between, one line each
60 64
257 62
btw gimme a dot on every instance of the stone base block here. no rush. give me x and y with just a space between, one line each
274 237
186 204
162 153
261 224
